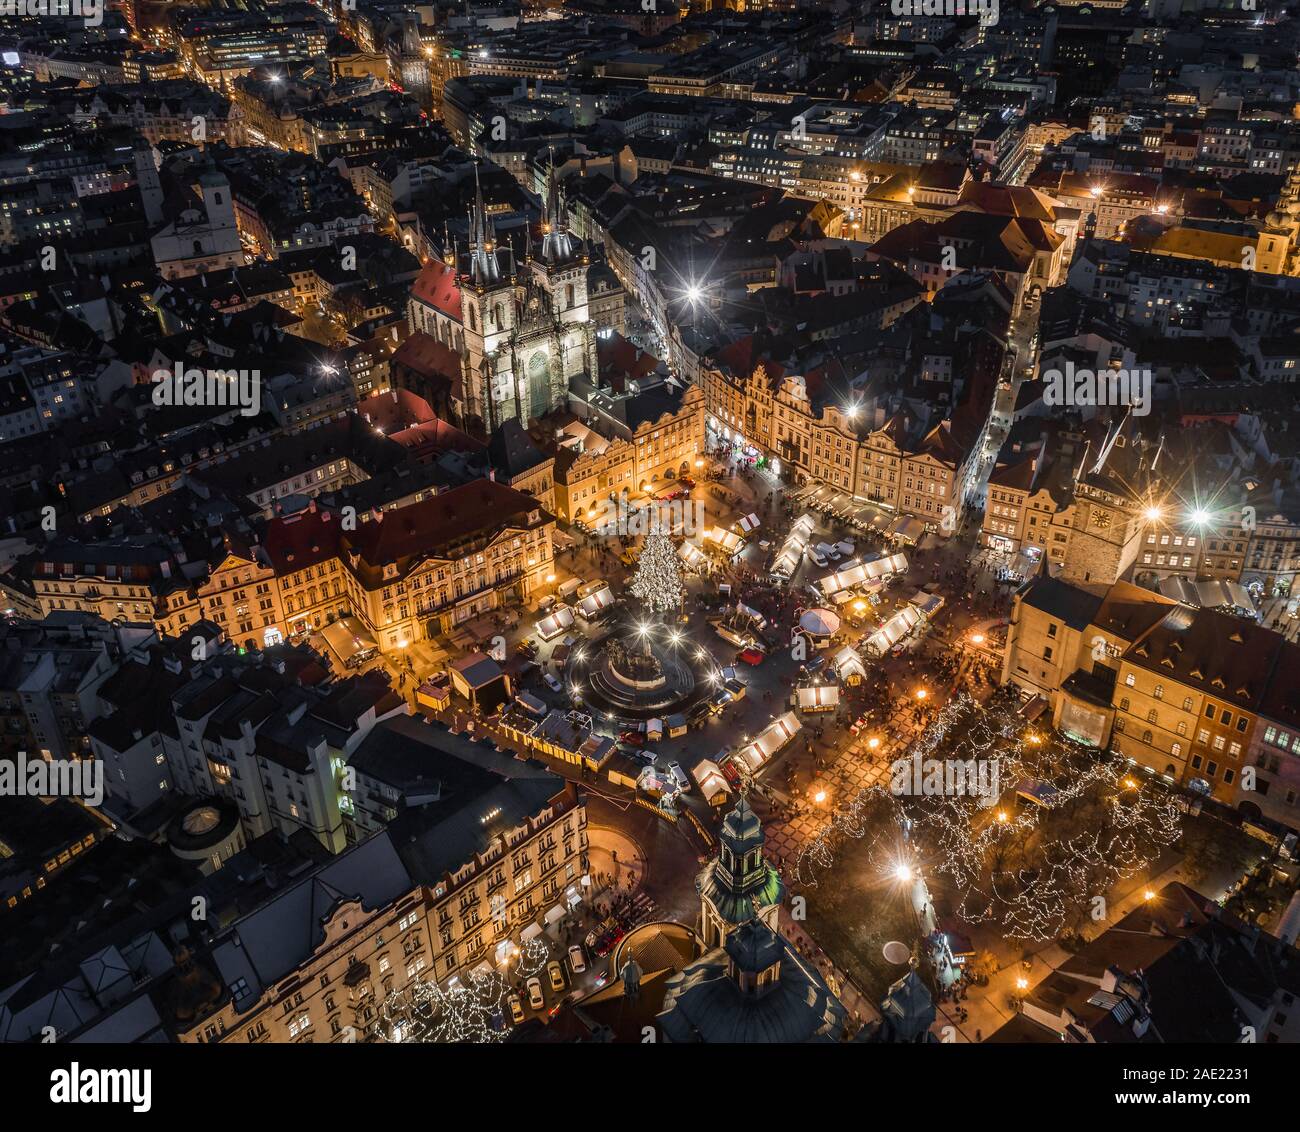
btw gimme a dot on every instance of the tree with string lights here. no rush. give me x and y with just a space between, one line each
657 582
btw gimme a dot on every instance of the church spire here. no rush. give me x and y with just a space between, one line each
558 245
484 268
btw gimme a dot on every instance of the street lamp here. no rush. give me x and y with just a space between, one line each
1152 514
977 638
921 693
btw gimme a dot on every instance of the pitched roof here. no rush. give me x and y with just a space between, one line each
436 286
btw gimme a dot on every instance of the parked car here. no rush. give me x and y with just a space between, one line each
555 974
577 961
632 738
553 682
535 997
817 663
680 777
516 1008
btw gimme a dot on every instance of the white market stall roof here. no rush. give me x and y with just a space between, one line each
820 622
749 523
787 560
826 696
803 526
847 662
709 778
882 567
770 740
595 601
555 622
692 555
846 577
752 614
893 630
727 541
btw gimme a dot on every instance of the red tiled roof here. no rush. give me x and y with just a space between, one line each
436 286
294 542
426 355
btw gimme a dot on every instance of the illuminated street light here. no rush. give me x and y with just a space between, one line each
1002 817
1200 516
1148 895
903 873
819 797
977 638
1022 983
873 743
1152 514
921 693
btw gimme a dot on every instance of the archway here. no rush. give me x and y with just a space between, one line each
539 384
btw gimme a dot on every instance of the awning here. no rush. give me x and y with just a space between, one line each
532 931
557 912
906 528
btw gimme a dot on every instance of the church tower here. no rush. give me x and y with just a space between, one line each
486 279
561 271
1106 534
738 885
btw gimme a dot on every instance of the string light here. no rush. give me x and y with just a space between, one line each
469 1011
961 838
533 954
658 579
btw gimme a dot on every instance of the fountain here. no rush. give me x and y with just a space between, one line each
639 672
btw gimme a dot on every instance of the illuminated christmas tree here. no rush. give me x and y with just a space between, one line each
658 579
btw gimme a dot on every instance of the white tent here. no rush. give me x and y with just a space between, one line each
846 577
692 556
883 567
769 741
593 603
749 523
728 542
847 662
555 622
709 778
824 698
893 630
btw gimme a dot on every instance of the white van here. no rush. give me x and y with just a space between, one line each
816 557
